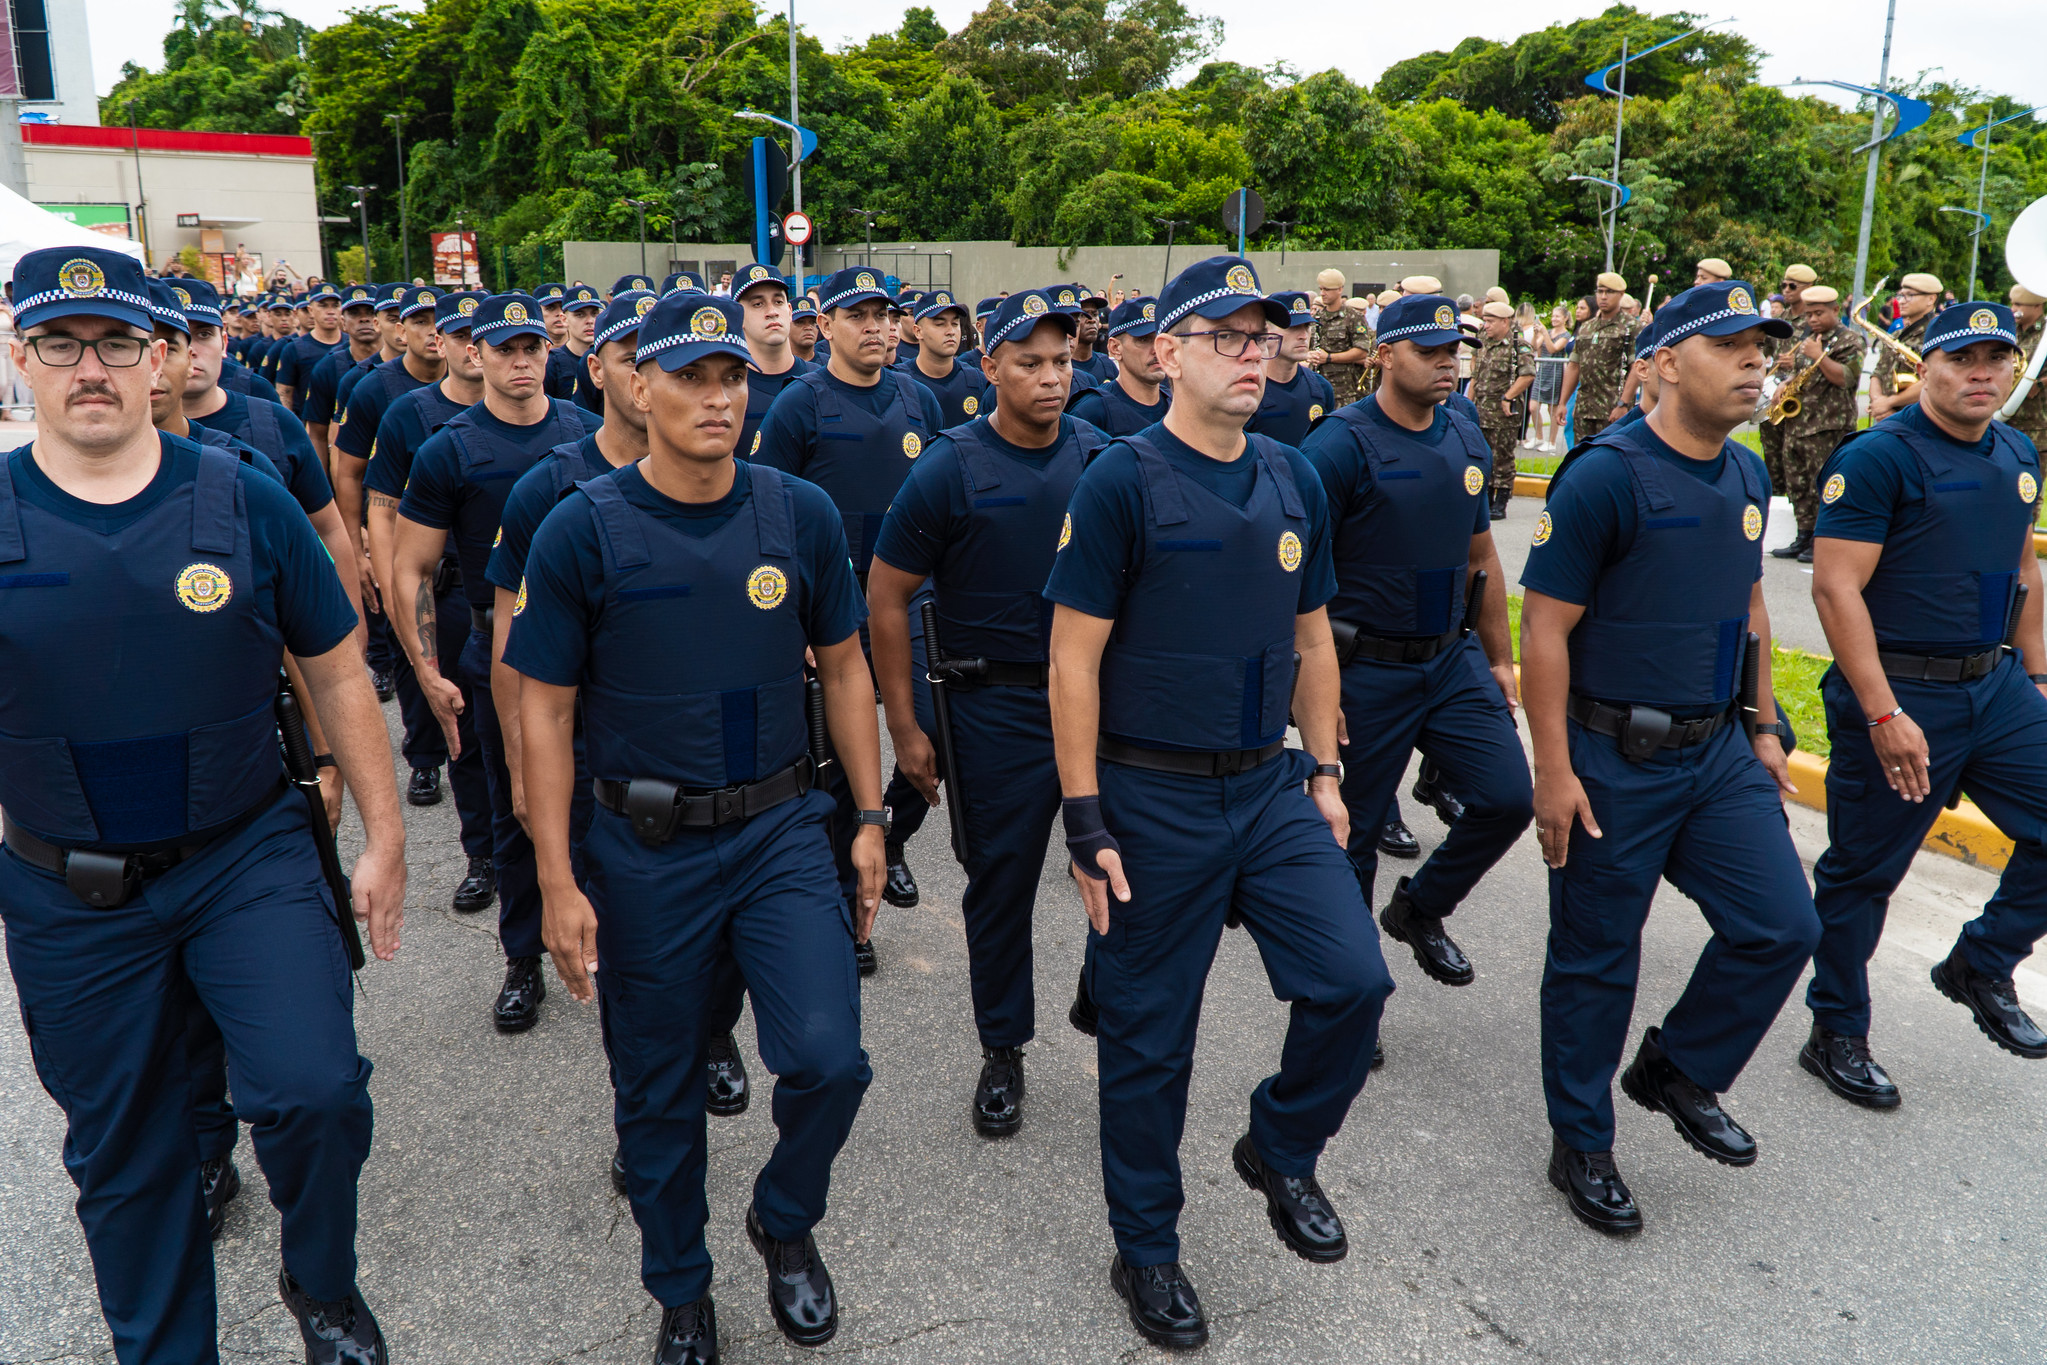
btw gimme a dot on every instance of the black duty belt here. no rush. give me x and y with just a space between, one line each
447 576
1928 668
658 809
972 673
1351 643
108 879
482 618
1187 762
1642 730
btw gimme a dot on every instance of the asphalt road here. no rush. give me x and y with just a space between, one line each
490 1233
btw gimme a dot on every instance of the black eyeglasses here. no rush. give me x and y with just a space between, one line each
1231 343
61 352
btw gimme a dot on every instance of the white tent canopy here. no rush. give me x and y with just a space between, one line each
25 228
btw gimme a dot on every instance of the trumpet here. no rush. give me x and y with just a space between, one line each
1902 379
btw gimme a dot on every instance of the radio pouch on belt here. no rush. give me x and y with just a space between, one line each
1643 732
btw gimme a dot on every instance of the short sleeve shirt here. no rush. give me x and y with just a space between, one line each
789 433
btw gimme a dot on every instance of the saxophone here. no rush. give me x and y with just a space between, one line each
1902 380
1787 402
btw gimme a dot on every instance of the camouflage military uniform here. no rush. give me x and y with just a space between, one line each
1772 436
1882 380
1494 368
1341 329
2031 418
1826 416
1603 353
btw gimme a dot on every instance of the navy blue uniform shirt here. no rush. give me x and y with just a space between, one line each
528 504
789 436
296 361
931 512
296 462
413 417
367 403
1287 410
563 594
1104 543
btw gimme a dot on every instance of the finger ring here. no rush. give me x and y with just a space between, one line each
1896 769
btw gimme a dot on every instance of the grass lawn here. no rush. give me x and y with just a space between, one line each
1794 677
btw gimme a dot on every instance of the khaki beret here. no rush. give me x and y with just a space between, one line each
2021 294
1331 279
1497 295
1421 284
1388 296
1609 280
1820 293
1498 308
1360 304
1717 268
1801 274
1922 282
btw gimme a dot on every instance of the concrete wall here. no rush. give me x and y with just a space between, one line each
277 191
599 263
976 270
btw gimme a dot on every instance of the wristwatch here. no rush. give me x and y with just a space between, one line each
883 817
1334 770
1775 727
2036 677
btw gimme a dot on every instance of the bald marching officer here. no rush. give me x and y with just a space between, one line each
455 494
152 853
1196 566
1643 586
1136 397
980 518
1295 396
855 427
1405 475
939 324
1923 553
711 845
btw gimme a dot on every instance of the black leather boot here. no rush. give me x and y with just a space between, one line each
800 1293
900 890
1843 1062
725 1088
478 889
1654 1083
1434 950
1994 1003
343 1332
518 1004
1594 1186
999 1095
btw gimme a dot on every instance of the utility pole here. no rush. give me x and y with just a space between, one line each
1282 224
1171 225
362 201
795 137
870 215
397 122
639 208
141 200
1876 151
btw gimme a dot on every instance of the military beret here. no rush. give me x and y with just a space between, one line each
1921 282
1331 279
1717 268
2021 294
1801 274
1965 324
1498 308
1609 280
1421 284
1821 293
1497 295
1386 296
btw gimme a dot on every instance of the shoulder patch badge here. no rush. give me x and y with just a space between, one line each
1752 522
1289 551
754 449
1474 481
913 444
1065 532
519 602
766 587
970 405
2029 486
1543 528
204 587
1314 412
1836 486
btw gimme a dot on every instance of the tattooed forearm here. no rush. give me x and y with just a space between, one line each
383 500
429 626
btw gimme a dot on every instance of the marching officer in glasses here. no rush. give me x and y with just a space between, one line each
1194 569
677 597
152 854
1929 590
1644 618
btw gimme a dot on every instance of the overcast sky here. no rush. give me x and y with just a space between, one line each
1991 44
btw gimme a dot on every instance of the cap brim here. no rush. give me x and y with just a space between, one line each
740 293
1058 316
86 308
497 334
1436 336
1145 327
579 305
924 313
675 357
1237 303
847 300
1727 327
1958 341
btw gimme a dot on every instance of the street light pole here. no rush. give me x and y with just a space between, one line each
639 208
397 122
362 201
795 138
870 215
141 200
1171 225
1876 150
1282 224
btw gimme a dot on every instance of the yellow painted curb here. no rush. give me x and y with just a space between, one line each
1964 832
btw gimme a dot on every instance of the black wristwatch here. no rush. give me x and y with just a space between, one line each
1775 727
2040 678
883 817
1334 770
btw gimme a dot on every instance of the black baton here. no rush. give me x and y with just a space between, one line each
1751 685
305 775
813 712
2011 622
1474 601
936 674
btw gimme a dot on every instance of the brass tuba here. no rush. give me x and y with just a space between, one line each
1904 379
2025 255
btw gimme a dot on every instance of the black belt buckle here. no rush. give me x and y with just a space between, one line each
727 805
1229 763
652 806
1643 730
104 881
